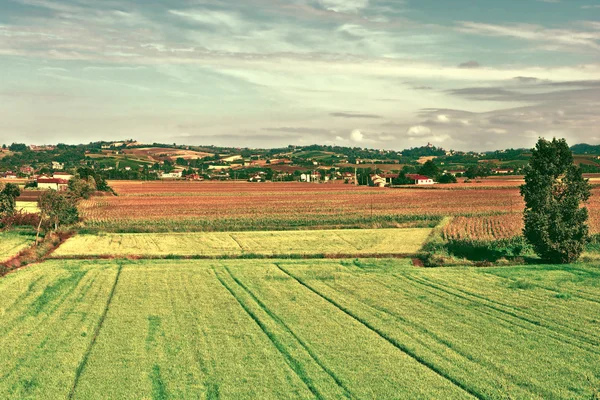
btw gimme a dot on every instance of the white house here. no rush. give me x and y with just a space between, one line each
420 179
171 175
62 175
52 183
57 165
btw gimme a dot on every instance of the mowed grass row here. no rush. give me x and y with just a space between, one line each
298 329
11 243
220 244
48 316
496 338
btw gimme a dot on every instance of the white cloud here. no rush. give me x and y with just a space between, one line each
418 130
564 38
356 136
344 6
207 17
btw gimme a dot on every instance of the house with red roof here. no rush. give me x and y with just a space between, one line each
420 179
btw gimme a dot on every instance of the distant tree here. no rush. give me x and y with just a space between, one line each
17 147
401 179
447 178
478 171
429 169
554 189
94 178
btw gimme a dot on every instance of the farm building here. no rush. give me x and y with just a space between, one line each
349 177
420 179
455 172
62 175
382 180
171 175
58 166
52 184
503 170
27 170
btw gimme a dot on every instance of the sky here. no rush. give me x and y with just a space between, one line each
390 74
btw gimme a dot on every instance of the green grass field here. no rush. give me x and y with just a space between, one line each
11 243
353 242
271 329
28 207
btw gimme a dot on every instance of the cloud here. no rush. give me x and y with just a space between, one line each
497 131
344 6
355 115
486 93
527 79
356 136
299 130
418 130
566 39
469 65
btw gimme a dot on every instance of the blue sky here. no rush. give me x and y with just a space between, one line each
462 74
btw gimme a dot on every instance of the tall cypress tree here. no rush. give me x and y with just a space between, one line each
554 190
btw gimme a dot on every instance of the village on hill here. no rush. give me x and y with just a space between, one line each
51 166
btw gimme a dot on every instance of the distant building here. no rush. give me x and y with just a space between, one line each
420 179
62 175
503 170
171 175
27 170
52 184
349 177
382 180
58 166
455 172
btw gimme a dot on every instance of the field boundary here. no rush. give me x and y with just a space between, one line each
249 256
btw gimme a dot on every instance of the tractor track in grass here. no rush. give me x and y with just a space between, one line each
88 351
302 343
584 336
579 295
552 333
290 360
418 327
432 367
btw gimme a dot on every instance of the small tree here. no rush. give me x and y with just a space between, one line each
429 169
554 189
447 178
8 197
57 209
80 188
